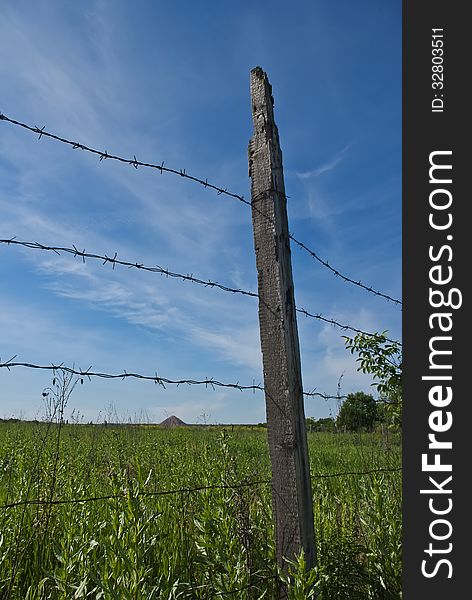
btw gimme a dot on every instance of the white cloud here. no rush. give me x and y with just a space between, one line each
239 345
325 167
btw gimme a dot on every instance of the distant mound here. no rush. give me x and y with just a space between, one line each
172 421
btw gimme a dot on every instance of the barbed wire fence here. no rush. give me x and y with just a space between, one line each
113 260
162 381
134 162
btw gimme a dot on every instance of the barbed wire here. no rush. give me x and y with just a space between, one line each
149 494
330 321
341 276
137 494
162 381
314 394
113 260
134 162
220 191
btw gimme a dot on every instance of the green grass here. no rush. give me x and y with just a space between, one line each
189 544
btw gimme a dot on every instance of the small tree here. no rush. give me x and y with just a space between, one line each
357 412
382 359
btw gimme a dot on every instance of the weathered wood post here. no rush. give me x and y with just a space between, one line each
291 484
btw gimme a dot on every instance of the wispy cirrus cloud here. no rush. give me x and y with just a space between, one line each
326 167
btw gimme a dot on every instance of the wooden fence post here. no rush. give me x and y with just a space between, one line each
291 483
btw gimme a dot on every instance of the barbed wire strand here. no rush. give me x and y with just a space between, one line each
136 494
113 260
340 275
220 191
162 381
149 494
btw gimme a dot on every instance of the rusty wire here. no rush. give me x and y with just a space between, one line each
134 162
113 260
149 494
137 494
162 381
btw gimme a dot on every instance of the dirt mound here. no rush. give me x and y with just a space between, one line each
172 421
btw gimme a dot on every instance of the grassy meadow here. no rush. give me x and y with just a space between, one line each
195 543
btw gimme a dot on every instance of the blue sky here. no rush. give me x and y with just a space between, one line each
170 81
